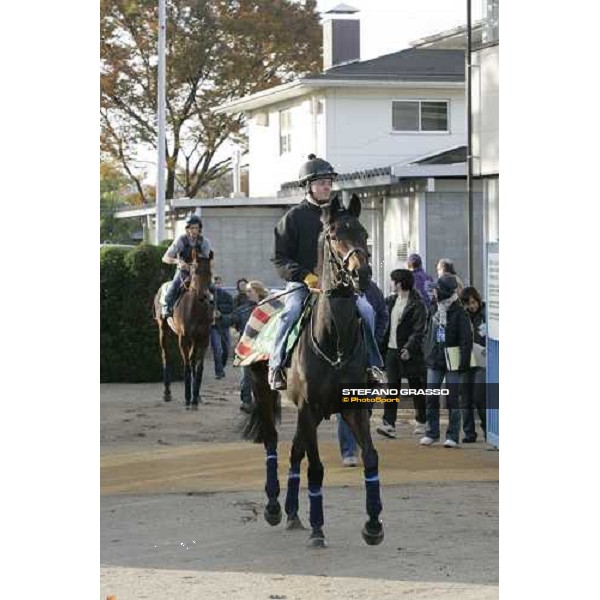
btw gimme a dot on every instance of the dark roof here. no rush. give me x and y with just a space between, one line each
413 64
447 157
365 174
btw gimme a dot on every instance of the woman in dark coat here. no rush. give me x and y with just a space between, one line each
474 396
241 297
449 334
255 292
403 341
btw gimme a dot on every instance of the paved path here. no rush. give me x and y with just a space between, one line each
182 517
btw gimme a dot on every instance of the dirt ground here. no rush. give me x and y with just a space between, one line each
182 500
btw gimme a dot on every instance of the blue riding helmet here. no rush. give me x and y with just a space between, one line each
193 220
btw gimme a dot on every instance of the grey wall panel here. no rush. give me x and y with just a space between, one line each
447 233
243 242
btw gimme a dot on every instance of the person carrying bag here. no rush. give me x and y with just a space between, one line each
448 348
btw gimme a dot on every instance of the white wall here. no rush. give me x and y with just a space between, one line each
359 127
268 169
486 82
353 131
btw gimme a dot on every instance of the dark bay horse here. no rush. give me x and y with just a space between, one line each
192 319
331 351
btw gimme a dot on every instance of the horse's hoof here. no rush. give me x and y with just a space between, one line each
187 406
373 532
317 539
273 515
167 398
294 523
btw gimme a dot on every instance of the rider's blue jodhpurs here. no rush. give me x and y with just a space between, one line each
291 313
174 288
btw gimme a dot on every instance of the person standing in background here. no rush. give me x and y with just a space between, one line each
404 348
240 297
446 267
219 332
423 281
474 396
448 347
254 292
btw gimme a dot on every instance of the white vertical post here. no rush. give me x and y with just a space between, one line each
160 175
236 173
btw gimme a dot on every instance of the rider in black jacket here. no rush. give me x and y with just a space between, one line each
295 258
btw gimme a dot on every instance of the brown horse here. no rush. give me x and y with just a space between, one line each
330 352
192 319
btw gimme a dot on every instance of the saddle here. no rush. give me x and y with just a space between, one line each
259 334
164 288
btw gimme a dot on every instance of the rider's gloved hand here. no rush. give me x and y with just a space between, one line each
311 280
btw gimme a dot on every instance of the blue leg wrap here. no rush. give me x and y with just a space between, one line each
315 497
272 486
293 488
374 505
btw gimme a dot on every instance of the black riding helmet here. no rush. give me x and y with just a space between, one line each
193 220
315 168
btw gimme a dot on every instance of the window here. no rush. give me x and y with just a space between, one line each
420 115
285 131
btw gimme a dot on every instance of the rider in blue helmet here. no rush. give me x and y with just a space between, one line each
180 253
295 258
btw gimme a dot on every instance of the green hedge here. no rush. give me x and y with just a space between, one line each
129 279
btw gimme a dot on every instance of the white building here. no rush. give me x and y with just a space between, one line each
485 99
394 127
362 115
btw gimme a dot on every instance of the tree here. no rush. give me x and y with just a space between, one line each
216 50
115 190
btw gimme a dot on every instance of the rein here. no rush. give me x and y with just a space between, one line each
338 363
190 286
344 280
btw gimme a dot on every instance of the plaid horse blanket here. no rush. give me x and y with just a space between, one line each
259 334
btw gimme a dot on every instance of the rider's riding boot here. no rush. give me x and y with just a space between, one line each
277 379
167 311
375 375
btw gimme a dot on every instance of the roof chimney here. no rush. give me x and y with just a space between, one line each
341 37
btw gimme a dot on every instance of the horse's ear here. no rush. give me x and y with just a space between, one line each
354 207
335 206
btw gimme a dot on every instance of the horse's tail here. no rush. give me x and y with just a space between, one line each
259 425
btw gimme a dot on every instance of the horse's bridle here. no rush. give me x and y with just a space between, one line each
193 268
343 277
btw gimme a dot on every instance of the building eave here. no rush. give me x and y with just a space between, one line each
305 86
416 171
228 202
279 93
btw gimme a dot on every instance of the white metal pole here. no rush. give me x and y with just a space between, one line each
160 175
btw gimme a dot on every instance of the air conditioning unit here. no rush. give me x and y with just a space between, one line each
402 251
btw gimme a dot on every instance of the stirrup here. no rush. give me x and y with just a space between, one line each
277 379
376 375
